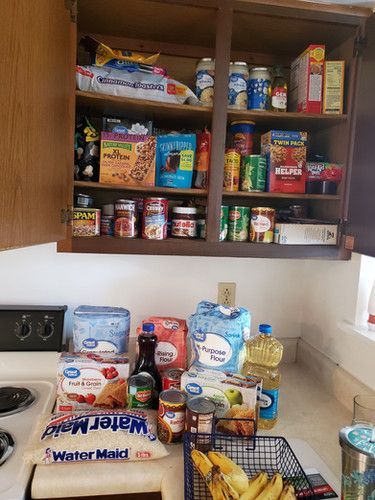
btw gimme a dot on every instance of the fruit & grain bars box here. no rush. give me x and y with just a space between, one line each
333 94
127 159
91 380
306 80
285 154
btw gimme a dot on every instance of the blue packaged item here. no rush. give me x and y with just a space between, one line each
217 336
101 329
259 86
175 158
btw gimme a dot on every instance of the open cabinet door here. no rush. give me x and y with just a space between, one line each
361 209
37 50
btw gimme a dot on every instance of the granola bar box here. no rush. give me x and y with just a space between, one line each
285 154
127 159
91 380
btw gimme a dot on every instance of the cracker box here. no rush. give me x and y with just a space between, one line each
305 234
127 159
306 80
91 380
333 93
285 153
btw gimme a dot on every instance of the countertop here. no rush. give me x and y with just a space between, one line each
307 413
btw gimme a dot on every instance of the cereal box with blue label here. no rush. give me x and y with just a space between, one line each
285 154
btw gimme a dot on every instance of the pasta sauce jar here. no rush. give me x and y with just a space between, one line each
125 219
155 218
184 222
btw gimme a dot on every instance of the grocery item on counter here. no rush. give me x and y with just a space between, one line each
262 224
263 356
285 154
242 136
202 161
101 329
306 80
235 475
171 415
237 87
130 83
238 223
86 222
201 229
127 159
259 88
200 413
175 157
140 390
116 435
154 218
323 177
319 485
86 151
91 380
171 378
83 200
127 126
205 79
171 334
253 173
306 234
224 222
184 222
232 162
217 334
279 90
333 91
126 225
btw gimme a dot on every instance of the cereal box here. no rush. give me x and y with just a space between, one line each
285 153
306 80
86 222
127 159
333 95
91 380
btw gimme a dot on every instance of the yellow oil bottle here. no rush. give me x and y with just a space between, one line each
263 356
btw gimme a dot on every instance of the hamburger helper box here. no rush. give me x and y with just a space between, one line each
285 154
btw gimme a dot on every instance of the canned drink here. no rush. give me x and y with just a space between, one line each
232 162
238 226
253 173
224 218
155 218
125 219
262 224
200 414
171 379
140 387
171 415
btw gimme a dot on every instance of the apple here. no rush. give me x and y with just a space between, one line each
234 396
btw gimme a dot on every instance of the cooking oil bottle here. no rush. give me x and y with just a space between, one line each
263 356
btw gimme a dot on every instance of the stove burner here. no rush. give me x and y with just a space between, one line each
14 399
6 446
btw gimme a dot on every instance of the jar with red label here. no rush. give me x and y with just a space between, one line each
125 219
262 224
279 92
155 218
184 222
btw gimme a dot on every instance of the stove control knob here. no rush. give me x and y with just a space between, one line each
23 330
46 330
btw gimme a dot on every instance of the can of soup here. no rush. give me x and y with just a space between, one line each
200 414
262 224
171 415
232 162
253 173
171 379
140 387
125 219
224 217
238 226
155 218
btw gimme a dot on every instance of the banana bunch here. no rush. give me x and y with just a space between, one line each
261 489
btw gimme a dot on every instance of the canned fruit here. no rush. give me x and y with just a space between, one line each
262 224
171 416
155 219
253 173
238 226
232 162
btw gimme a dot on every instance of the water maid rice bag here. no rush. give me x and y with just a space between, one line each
217 334
122 435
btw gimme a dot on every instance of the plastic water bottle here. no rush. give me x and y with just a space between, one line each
263 356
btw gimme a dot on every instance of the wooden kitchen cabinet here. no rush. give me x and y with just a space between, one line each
39 97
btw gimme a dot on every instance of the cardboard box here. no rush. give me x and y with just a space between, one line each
305 234
127 159
285 153
306 80
333 94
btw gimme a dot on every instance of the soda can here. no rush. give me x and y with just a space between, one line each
232 162
224 223
253 173
238 226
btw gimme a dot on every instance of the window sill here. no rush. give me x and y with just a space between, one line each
348 327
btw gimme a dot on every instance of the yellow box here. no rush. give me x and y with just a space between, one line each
333 95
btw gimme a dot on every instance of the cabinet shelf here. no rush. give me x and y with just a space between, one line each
137 189
287 196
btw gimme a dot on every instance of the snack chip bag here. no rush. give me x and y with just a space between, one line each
217 336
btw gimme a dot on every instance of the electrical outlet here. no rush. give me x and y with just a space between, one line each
226 294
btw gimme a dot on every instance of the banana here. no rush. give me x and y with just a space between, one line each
235 475
273 489
255 487
288 493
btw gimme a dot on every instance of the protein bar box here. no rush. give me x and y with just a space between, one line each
285 154
305 234
127 159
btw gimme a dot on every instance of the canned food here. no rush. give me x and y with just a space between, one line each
242 135
108 209
200 414
224 218
171 415
238 226
155 218
259 88
171 379
232 162
201 229
107 225
237 86
205 78
253 173
83 200
125 219
262 224
140 387
86 222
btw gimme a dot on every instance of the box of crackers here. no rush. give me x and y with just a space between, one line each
127 159
91 380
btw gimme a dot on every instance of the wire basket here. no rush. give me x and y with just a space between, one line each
252 453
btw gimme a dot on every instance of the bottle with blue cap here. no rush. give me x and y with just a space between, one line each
263 356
